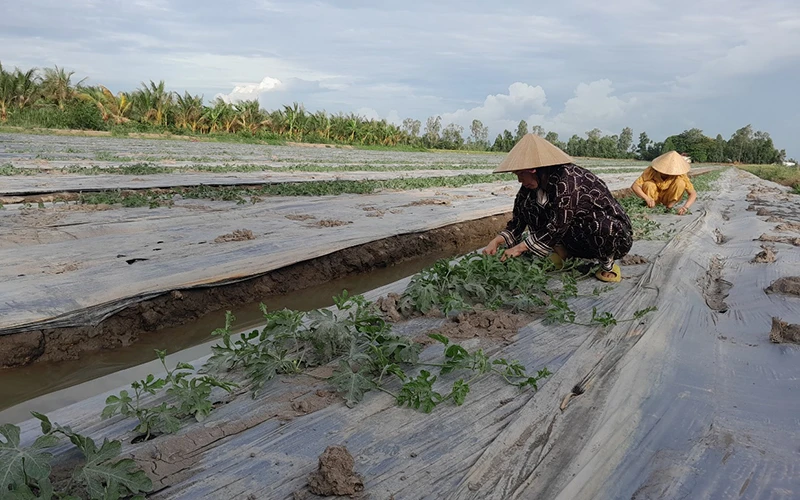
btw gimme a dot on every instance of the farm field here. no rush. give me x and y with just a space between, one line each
653 387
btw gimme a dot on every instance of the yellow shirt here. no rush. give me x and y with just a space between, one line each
663 185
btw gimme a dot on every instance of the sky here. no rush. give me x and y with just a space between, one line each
569 66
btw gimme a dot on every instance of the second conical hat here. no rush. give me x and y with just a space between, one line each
671 163
532 152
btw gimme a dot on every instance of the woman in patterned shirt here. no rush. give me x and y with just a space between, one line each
568 211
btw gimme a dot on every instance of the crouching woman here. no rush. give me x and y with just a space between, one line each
567 210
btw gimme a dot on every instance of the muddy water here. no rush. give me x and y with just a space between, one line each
47 386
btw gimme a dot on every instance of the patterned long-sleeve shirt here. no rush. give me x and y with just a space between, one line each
575 209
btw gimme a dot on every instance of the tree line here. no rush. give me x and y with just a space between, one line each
50 99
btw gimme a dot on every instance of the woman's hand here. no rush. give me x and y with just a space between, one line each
491 248
514 251
682 210
650 202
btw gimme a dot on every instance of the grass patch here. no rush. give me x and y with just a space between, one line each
788 176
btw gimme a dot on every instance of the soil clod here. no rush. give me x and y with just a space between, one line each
427 201
484 323
237 235
779 239
633 260
765 256
783 332
763 212
789 285
335 475
715 289
788 226
332 223
300 217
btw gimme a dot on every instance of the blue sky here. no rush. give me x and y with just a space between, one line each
569 66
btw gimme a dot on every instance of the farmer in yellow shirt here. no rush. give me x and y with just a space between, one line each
665 181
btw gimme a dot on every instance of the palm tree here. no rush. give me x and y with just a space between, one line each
220 116
25 87
189 111
153 103
7 86
57 86
249 115
114 108
295 117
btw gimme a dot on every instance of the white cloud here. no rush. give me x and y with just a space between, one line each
368 113
593 105
250 91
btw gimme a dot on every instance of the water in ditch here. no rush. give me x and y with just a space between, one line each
47 386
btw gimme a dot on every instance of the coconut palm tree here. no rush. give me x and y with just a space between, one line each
115 108
249 115
57 86
26 87
7 87
153 103
220 116
189 111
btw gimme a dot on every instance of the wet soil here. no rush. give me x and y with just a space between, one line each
300 217
780 239
497 325
331 223
783 332
183 306
789 285
714 288
787 227
335 475
237 235
633 260
765 256
427 201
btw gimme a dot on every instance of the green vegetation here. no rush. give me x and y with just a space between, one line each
788 176
25 472
159 197
191 396
50 100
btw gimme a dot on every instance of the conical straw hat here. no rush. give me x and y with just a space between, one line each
532 152
671 163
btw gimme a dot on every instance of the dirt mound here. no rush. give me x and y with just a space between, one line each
300 217
763 212
427 201
783 332
501 325
332 223
715 288
335 475
238 235
389 306
779 239
775 219
765 256
633 260
789 285
788 226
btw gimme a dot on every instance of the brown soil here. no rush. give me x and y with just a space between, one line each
501 325
789 285
29 344
721 238
300 217
765 256
427 201
763 212
389 305
335 475
715 289
633 260
237 235
775 219
780 239
788 226
783 332
331 223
